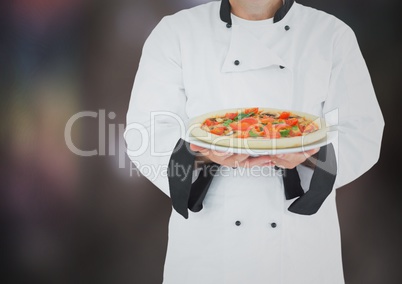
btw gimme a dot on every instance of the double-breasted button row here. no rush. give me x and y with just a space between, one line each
230 25
237 63
273 225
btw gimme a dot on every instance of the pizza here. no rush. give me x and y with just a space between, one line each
258 128
254 123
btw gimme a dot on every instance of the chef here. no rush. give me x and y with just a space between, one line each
277 224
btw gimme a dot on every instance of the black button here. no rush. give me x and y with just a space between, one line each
280 66
273 225
287 27
237 62
228 25
238 223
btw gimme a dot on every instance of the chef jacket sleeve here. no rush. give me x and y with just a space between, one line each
156 121
351 104
156 114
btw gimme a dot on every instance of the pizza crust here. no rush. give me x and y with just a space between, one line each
194 127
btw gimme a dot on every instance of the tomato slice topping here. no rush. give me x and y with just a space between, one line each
231 115
249 110
291 121
244 124
218 130
284 115
267 119
249 120
210 122
240 126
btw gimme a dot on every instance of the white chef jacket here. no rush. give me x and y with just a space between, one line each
310 62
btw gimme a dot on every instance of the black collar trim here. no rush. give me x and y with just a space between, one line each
280 14
225 12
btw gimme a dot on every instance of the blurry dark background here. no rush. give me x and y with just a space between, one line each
72 219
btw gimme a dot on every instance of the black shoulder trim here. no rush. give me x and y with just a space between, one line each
225 12
281 13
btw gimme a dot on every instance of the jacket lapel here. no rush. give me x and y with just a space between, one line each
250 53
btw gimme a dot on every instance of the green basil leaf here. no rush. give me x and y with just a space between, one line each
242 115
252 134
227 122
284 132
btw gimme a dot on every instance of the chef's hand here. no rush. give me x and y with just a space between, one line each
290 161
230 159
